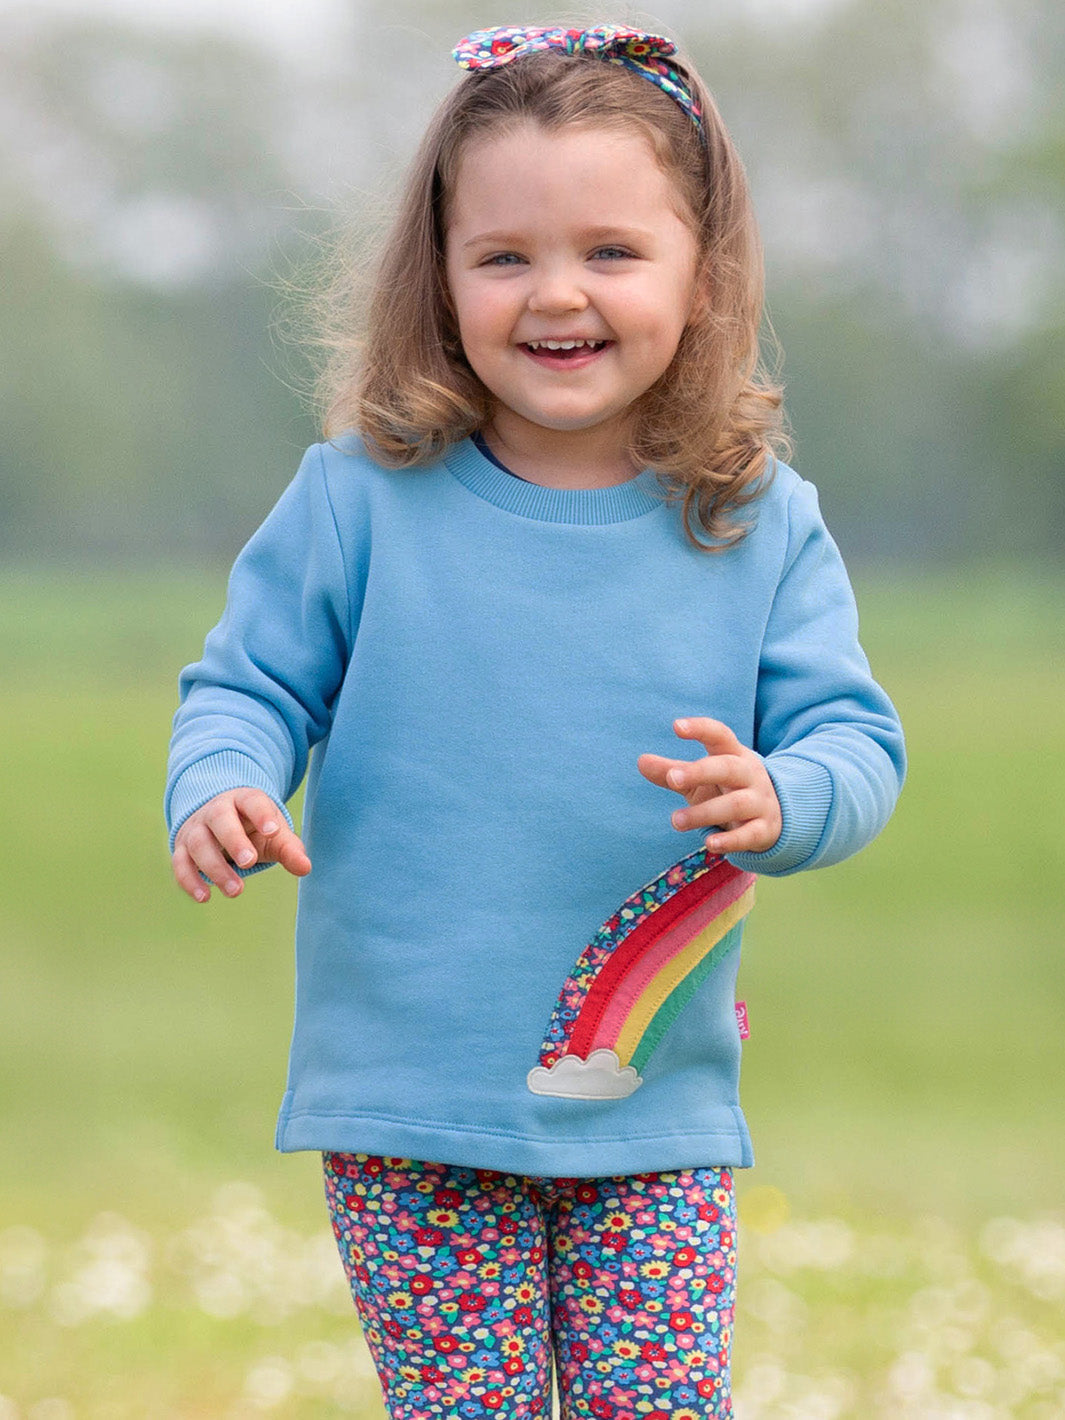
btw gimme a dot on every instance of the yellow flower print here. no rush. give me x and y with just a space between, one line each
684 1414
721 1197
401 1301
409 1373
592 1305
655 1270
425 1185
627 1350
475 1375
489 1270
390 1255
603 1367
443 1217
513 1346
617 1221
525 1293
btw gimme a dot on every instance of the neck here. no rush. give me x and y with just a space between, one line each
561 458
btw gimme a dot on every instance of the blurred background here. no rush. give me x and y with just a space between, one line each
167 174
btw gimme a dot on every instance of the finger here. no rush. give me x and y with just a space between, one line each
730 771
735 808
755 836
187 876
258 810
204 850
223 820
286 848
656 766
714 734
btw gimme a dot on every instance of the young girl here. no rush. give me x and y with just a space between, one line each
549 523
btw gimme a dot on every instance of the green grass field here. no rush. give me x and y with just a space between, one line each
903 1239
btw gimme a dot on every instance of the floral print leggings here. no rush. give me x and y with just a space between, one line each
466 1279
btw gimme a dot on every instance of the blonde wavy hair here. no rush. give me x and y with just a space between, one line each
395 370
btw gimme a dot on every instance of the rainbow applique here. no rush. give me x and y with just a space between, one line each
636 975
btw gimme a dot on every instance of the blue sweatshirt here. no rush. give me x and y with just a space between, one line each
506 955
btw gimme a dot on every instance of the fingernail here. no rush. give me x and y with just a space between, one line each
682 724
201 895
232 889
246 857
675 777
269 826
678 820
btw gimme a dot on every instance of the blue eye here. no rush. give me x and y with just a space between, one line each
611 253
503 258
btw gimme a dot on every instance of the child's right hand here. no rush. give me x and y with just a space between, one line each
245 825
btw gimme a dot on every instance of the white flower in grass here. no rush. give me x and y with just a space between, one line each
268 1383
109 1273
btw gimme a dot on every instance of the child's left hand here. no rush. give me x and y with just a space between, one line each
729 787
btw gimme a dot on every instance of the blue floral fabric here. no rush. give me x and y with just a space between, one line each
466 1279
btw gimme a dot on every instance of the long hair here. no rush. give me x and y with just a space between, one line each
709 426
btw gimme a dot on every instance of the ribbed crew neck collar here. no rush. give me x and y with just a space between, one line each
616 504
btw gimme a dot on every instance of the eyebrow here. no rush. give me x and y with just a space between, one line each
589 234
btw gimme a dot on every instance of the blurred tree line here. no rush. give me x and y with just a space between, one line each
158 189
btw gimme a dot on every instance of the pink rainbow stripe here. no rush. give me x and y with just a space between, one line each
655 958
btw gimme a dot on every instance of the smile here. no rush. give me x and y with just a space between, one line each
565 344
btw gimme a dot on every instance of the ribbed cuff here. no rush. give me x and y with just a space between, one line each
805 791
214 774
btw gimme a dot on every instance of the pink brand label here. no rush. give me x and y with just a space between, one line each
741 1019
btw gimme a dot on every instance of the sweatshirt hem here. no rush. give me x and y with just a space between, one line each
504 1151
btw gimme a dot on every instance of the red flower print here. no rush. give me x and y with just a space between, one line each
680 1321
706 1387
428 1237
514 1366
630 1299
493 1400
579 1351
536 1254
420 1285
587 1193
433 1373
447 1198
603 1409
445 1344
684 1256
709 1213
469 1256
581 1268
716 1282
472 1301
652 1351
392 1327
523 1316
614 1242
503 46
373 1166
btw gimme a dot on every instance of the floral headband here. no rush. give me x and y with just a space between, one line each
645 54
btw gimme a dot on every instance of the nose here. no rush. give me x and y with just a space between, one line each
558 290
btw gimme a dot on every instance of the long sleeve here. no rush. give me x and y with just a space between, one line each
830 737
261 695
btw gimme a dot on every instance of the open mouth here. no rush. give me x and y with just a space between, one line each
564 351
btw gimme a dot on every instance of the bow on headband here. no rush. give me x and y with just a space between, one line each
645 54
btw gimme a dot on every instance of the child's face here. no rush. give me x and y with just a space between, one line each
568 236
